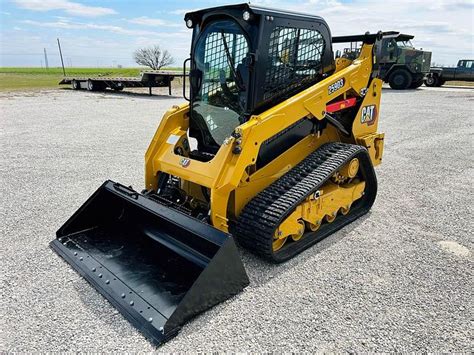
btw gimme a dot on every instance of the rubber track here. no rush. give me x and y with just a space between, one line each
259 219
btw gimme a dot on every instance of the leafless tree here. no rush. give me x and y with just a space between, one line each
153 57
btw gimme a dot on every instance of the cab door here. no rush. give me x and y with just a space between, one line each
462 72
470 69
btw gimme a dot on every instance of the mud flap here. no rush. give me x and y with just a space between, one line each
157 266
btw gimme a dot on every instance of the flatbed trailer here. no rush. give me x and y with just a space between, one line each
149 79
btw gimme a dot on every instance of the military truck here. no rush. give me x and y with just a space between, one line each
401 65
438 76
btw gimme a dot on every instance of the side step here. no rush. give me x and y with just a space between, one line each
157 266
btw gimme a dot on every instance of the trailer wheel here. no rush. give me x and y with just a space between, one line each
432 81
400 79
91 85
75 85
118 88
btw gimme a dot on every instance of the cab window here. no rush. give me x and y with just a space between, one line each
295 60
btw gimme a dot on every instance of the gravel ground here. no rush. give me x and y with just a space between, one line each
399 279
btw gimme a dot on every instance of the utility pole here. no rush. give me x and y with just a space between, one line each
61 55
46 59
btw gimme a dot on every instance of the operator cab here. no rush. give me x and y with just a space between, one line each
245 59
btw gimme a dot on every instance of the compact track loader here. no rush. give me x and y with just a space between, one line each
275 149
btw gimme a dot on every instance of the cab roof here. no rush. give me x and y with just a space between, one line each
258 10
399 36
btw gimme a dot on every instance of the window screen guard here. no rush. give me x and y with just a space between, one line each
294 60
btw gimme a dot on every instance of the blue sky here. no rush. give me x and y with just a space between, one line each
105 33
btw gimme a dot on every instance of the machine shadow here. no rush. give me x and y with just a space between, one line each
401 92
258 270
261 271
131 94
100 307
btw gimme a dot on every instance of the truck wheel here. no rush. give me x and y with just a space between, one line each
400 79
432 81
416 84
75 85
91 85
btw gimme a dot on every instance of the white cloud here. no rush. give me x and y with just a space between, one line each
85 47
181 11
70 7
5 13
441 26
90 26
449 5
177 38
146 21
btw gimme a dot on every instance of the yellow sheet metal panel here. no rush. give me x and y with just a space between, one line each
367 118
374 144
228 172
330 200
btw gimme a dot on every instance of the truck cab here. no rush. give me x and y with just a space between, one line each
464 71
401 65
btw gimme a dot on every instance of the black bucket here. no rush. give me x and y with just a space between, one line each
159 267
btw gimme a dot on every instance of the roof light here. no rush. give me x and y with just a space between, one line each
246 15
189 23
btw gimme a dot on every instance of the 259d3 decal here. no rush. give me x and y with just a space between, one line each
336 86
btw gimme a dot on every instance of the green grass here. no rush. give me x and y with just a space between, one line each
12 79
460 83
58 72
14 82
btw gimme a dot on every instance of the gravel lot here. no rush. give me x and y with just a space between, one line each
399 279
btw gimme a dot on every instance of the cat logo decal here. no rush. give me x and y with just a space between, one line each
369 115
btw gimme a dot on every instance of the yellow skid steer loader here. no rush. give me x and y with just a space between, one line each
274 150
